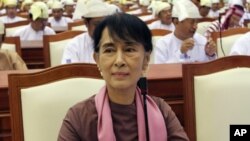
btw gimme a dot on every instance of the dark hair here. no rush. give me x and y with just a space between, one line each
125 27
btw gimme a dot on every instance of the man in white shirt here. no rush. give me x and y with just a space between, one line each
38 21
162 10
69 8
214 11
80 48
11 12
246 15
241 45
58 19
204 8
184 45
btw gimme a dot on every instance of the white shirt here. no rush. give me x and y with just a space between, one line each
168 47
62 22
79 49
213 14
28 33
3 11
246 16
6 19
241 45
159 25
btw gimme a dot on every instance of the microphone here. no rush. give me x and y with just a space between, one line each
220 34
143 85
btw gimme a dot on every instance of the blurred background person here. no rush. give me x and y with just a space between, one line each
241 45
69 8
58 19
80 48
230 20
246 15
10 60
11 12
204 8
214 10
162 11
38 23
184 44
25 7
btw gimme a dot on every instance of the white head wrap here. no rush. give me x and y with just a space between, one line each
39 10
69 2
57 5
159 6
95 8
215 1
206 3
186 9
144 2
10 3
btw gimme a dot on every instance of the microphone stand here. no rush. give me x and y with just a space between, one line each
221 36
142 83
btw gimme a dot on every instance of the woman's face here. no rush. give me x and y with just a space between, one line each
121 63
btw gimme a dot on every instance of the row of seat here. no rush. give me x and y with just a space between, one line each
53 45
216 94
11 28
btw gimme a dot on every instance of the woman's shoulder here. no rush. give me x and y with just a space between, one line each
161 103
85 105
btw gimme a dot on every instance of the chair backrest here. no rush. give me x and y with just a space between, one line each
216 95
157 34
54 46
227 39
40 100
77 25
12 44
10 28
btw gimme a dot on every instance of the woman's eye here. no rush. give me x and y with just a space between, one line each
109 50
130 49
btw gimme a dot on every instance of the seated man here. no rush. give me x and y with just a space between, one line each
80 48
11 61
184 45
214 11
241 46
246 15
204 8
58 19
230 20
162 10
11 12
69 8
38 21
25 7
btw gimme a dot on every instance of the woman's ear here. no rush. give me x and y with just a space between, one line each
96 58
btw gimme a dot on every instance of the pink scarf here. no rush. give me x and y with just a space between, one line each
156 123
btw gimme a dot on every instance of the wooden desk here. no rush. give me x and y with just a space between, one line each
32 54
163 80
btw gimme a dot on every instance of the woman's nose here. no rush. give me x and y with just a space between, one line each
119 60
